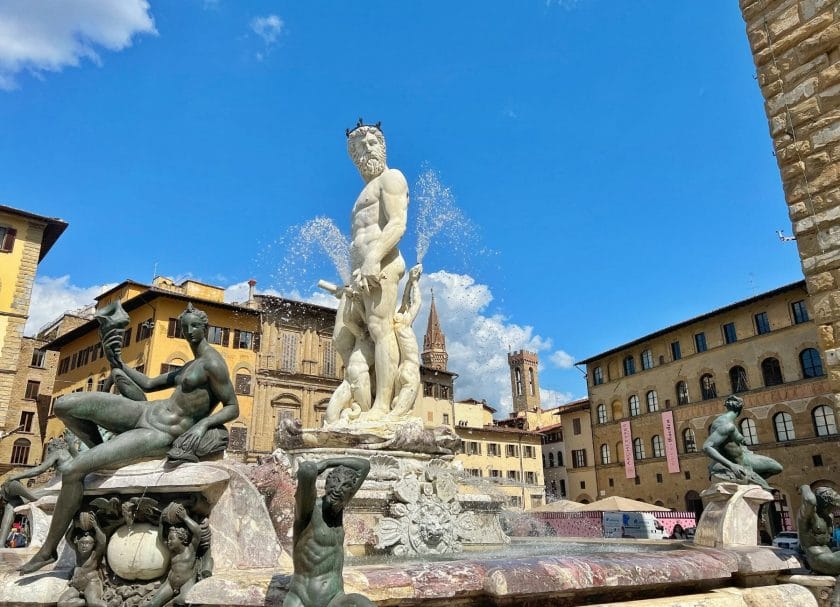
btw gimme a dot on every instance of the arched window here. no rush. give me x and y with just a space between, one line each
647 359
605 454
824 421
783 424
89 384
531 382
633 402
518 374
811 364
707 387
638 449
652 401
658 446
560 458
689 441
550 460
617 412
748 431
629 365
771 370
602 413
20 451
738 379
682 393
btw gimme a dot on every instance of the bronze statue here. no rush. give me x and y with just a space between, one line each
815 523
142 429
13 493
731 460
318 537
88 542
183 538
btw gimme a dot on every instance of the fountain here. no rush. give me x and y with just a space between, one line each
198 531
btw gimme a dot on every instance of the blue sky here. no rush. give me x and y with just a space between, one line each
612 157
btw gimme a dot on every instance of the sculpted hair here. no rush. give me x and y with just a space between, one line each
359 133
183 534
734 401
341 474
827 497
199 314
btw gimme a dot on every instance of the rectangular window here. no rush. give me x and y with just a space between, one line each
32 390
531 477
144 330
658 477
63 366
475 472
800 312
578 458
530 452
243 340
611 482
7 239
445 419
243 383
126 339
700 342
515 501
218 335
730 336
26 419
493 449
511 451
495 473
762 324
473 448
174 329
38 358
288 352
576 426
597 376
676 354
513 475
329 369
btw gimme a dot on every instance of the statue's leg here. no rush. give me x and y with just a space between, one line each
93 594
358 373
83 412
70 598
123 447
380 304
292 600
339 400
163 595
764 466
181 599
350 600
6 525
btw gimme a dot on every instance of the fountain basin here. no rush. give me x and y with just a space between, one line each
531 572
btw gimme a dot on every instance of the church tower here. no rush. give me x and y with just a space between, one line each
434 354
524 380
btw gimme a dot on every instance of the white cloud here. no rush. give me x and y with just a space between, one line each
562 360
269 29
43 37
52 297
552 398
478 339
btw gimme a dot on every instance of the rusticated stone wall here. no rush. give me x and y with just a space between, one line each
796 48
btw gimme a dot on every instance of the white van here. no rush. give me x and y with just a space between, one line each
638 525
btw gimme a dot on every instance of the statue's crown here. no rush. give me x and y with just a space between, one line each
360 124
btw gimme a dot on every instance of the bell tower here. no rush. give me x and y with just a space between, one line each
434 354
524 380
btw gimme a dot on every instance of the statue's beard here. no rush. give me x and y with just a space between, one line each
371 165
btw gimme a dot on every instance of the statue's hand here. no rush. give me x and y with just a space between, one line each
738 470
189 440
180 511
112 343
415 272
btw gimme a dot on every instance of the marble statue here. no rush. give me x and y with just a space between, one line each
318 535
178 425
13 493
408 370
732 461
88 542
378 222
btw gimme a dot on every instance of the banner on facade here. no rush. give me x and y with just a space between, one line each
670 441
627 442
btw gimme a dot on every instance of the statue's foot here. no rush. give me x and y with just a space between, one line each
37 562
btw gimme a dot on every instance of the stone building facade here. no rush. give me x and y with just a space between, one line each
666 388
25 238
796 49
554 462
578 451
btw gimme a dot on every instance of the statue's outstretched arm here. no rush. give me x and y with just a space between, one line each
151 384
45 465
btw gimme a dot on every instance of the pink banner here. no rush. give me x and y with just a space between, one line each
670 441
627 441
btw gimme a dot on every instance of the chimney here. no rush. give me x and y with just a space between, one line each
251 284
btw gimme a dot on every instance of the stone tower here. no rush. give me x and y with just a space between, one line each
524 380
434 342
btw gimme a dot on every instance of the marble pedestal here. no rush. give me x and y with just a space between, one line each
730 515
242 534
413 504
